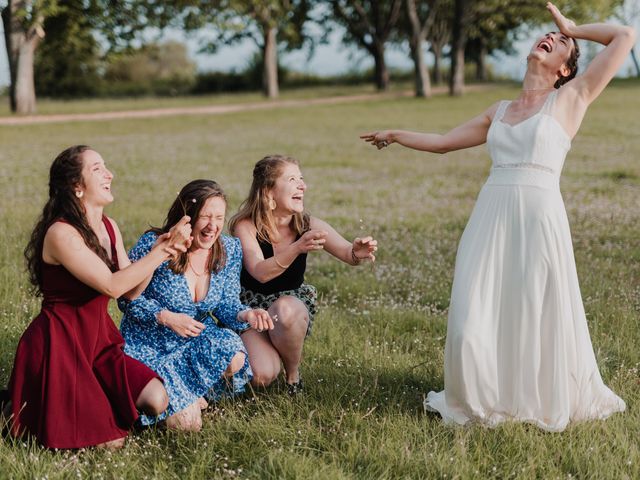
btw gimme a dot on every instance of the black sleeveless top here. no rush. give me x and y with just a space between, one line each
290 279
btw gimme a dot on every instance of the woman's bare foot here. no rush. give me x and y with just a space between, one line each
188 419
202 403
116 444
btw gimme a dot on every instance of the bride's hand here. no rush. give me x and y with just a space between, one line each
378 139
565 25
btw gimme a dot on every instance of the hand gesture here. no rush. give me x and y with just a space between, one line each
259 319
363 248
378 139
181 323
312 240
178 238
564 24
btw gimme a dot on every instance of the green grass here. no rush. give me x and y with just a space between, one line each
46 106
378 340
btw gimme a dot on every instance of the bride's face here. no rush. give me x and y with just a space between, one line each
553 50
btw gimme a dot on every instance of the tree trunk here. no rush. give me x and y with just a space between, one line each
21 45
422 82
437 61
270 58
481 66
25 91
456 80
381 72
11 40
635 61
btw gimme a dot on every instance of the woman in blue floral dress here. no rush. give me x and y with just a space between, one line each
186 323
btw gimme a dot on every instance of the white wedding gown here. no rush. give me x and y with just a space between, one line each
518 346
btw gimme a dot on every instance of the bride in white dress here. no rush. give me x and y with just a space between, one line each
518 346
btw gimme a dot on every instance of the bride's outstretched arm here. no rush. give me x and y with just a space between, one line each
618 39
469 134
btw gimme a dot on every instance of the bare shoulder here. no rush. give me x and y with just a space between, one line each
492 110
569 95
60 237
61 232
570 108
245 227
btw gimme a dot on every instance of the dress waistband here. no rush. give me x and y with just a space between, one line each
523 176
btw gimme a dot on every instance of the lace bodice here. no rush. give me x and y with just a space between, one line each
538 142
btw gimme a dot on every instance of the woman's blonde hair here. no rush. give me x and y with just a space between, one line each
256 206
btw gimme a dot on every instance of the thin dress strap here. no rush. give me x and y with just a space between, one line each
547 108
501 109
112 238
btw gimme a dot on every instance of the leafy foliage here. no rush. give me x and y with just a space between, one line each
67 60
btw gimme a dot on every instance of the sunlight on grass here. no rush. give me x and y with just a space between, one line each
378 340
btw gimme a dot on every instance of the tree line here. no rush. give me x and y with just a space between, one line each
48 31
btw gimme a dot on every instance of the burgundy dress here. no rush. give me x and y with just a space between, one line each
72 386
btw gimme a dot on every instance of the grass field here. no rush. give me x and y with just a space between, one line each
47 106
378 341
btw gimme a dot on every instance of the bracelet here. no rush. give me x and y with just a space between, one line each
284 267
354 258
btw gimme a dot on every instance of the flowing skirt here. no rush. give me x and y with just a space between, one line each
518 346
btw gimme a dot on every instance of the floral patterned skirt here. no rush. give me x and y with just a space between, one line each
307 294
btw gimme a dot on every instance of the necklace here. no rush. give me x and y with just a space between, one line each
196 273
189 258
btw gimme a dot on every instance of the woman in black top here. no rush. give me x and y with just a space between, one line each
276 235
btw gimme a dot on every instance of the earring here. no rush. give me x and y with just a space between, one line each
79 193
272 204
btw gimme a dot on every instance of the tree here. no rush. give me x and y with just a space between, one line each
439 35
629 14
67 61
369 23
23 22
461 22
420 18
158 68
268 23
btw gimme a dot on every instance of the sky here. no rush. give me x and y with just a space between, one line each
330 59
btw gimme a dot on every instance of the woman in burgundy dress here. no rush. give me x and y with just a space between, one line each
72 386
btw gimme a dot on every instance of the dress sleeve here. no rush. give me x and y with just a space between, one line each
144 309
229 306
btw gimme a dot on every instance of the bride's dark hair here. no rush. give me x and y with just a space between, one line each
572 65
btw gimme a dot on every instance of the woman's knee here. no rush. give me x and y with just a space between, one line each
153 399
290 312
264 374
236 363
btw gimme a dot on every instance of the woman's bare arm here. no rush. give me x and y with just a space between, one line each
469 134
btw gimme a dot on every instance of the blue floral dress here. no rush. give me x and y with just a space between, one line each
191 367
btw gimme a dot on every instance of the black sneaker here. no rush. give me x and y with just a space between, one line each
294 389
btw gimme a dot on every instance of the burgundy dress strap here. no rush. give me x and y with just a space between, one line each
112 238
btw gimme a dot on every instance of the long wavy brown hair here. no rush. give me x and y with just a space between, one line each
65 175
256 205
190 201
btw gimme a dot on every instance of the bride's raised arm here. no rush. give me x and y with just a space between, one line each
619 39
